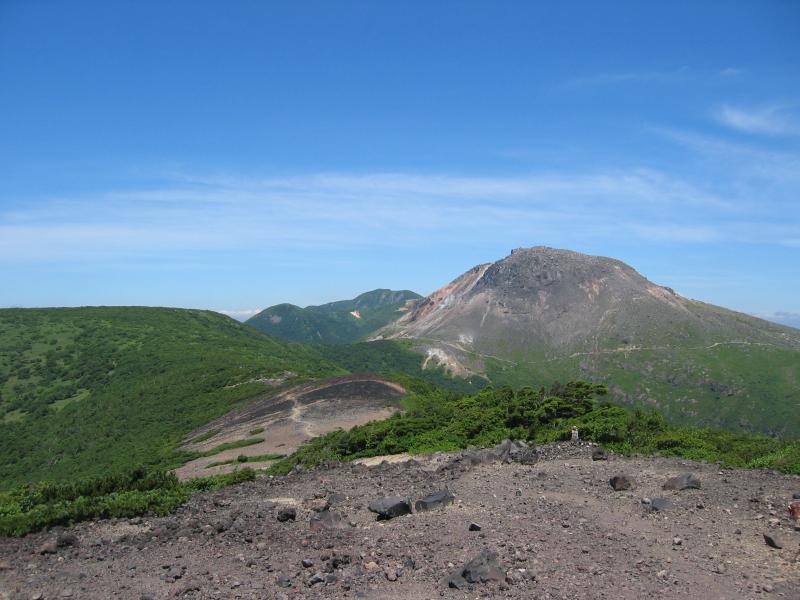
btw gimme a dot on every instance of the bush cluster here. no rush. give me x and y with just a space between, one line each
439 421
33 507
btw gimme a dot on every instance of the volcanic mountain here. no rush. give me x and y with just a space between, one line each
542 314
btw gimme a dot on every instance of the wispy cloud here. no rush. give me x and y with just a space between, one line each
742 160
194 213
731 72
792 319
769 120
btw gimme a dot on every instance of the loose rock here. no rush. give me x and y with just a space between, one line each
390 507
436 500
682 482
621 482
286 514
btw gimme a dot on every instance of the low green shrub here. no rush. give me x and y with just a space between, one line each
438 421
34 507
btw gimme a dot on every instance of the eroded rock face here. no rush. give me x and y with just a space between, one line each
682 482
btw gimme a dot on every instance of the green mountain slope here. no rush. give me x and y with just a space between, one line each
339 322
88 391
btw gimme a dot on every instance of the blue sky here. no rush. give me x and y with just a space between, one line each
232 155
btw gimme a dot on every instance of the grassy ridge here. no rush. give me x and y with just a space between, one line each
92 391
333 323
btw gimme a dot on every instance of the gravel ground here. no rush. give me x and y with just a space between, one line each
557 529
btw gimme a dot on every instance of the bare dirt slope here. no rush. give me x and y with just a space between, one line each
557 528
287 419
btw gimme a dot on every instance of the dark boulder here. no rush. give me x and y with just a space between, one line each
66 538
390 507
682 482
772 541
286 514
599 454
435 500
621 482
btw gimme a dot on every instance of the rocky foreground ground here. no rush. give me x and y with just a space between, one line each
552 529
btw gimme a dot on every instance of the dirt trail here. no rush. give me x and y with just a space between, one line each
287 419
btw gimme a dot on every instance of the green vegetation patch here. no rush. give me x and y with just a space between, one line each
33 507
90 391
436 420
246 459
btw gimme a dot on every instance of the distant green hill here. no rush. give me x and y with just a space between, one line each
339 322
87 391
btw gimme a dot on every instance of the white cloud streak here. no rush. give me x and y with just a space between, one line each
392 210
770 120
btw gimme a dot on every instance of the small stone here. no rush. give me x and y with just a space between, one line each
620 483
720 568
767 588
676 541
286 513
66 538
772 541
474 527
283 581
48 547
315 579
391 574
662 574
682 482
307 563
